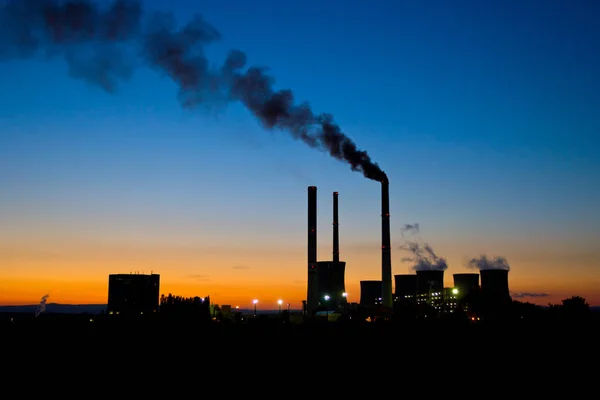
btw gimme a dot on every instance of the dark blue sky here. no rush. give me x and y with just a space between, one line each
483 114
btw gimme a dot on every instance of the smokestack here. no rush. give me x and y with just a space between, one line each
312 286
336 230
312 224
386 255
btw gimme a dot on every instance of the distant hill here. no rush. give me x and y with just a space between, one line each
57 308
98 308
54 308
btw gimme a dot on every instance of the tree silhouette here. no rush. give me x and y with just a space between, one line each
575 307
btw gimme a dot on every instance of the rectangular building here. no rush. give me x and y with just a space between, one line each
133 293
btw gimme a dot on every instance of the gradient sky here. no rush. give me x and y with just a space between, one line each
483 114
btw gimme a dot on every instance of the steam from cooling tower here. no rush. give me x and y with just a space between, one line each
484 263
42 306
411 228
423 257
99 47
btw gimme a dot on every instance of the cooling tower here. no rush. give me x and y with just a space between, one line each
466 284
312 300
370 293
494 285
386 256
406 285
430 281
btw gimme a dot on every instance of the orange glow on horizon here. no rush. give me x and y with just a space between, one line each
76 272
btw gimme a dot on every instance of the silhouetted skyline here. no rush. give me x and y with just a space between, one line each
483 117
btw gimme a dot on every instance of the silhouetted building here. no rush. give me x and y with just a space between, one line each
450 300
370 293
430 286
405 287
330 278
133 293
494 286
430 281
467 285
326 279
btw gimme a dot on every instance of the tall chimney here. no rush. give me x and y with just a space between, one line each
386 256
312 284
336 230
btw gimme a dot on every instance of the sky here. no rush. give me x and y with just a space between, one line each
482 114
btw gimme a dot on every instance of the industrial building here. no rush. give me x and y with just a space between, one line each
494 287
370 293
467 285
331 289
326 289
423 290
430 281
133 293
405 291
431 293
450 300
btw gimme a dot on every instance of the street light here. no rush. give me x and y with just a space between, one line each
280 302
255 302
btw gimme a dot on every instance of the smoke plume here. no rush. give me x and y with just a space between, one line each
483 262
411 228
102 46
42 306
422 255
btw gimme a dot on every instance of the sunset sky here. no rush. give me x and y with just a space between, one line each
484 115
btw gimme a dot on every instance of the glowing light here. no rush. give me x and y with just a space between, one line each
280 302
254 301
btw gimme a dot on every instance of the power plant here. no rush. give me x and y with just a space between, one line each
466 284
424 290
370 293
326 279
494 286
405 286
430 280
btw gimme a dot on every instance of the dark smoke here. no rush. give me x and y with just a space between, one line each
423 257
95 42
483 262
